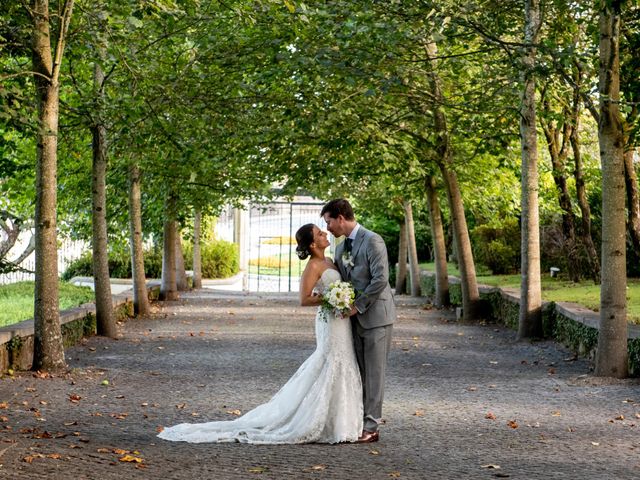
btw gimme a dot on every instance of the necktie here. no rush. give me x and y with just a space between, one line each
347 244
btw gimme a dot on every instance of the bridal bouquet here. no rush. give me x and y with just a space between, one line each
339 297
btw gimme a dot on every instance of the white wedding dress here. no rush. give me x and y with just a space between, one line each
321 402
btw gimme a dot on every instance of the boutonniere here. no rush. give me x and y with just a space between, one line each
347 259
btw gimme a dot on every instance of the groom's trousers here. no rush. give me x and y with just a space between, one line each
372 347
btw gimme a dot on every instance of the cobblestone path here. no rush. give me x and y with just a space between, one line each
463 401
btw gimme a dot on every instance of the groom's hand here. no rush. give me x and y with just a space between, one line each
354 311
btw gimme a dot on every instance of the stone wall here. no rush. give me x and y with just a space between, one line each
568 323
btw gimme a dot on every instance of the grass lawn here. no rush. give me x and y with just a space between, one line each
561 290
16 300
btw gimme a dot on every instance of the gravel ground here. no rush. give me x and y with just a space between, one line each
462 401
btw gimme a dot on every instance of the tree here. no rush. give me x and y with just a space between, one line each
197 256
611 358
48 352
140 296
401 272
439 246
530 323
444 160
413 253
105 320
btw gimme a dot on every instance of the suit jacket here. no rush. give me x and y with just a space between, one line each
369 276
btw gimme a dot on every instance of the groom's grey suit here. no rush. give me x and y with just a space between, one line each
372 326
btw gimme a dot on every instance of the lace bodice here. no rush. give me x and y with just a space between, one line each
328 276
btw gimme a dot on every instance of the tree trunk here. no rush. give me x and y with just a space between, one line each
612 353
168 287
412 248
181 275
633 200
105 320
439 246
581 192
401 273
140 296
197 257
558 151
470 294
48 350
468 284
530 324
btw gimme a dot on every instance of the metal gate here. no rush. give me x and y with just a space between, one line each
273 263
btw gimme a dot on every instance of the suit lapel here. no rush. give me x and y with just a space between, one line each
355 247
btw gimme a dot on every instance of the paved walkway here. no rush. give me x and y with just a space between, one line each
462 401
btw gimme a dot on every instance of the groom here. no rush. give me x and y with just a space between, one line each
362 261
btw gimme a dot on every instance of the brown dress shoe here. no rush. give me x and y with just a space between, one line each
368 437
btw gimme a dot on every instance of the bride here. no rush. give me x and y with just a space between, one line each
322 401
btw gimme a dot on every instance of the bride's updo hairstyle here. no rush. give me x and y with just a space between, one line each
304 237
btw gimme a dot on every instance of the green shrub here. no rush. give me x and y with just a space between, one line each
119 265
498 247
220 259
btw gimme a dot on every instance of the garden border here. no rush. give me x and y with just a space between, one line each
16 341
568 323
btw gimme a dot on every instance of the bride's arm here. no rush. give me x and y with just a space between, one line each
309 279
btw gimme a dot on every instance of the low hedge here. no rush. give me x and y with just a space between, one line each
220 259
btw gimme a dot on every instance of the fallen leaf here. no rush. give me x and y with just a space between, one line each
394 474
419 413
257 469
318 467
29 458
619 417
374 452
490 416
159 428
234 412
556 414
472 389
68 424
4 419
103 450
119 451
491 466
595 444
73 398
55 456
4 405
131 459
180 406
512 424
551 371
